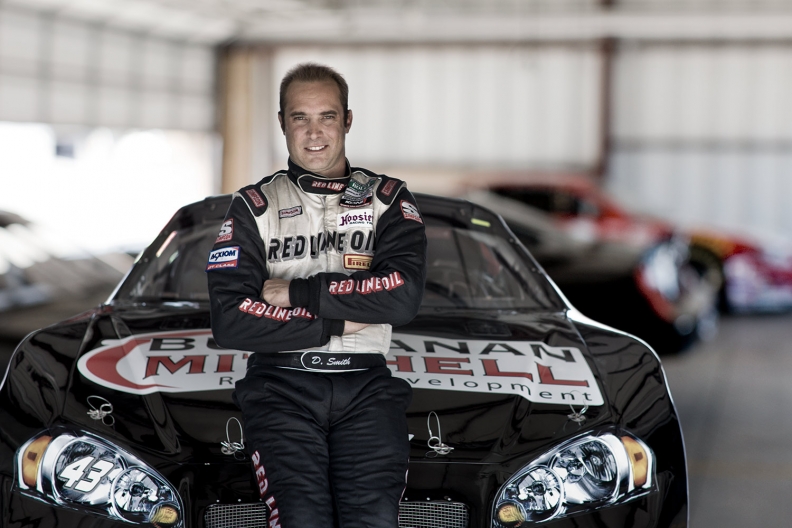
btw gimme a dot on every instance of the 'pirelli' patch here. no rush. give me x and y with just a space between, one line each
410 211
226 231
227 257
290 212
357 262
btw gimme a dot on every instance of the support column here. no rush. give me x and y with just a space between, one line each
247 106
607 51
235 117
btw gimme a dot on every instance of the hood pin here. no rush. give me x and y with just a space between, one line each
577 417
104 411
234 448
435 443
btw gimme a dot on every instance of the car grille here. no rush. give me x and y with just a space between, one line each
429 514
433 514
236 516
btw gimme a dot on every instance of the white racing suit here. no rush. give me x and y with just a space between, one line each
324 419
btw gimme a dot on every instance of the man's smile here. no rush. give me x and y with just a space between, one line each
316 149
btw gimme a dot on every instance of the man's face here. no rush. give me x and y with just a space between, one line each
314 126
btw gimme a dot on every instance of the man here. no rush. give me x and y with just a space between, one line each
311 268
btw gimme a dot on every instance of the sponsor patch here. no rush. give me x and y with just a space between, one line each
226 231
357 262
257 199
387 189
299 247
268 311
319 361
188 361
358 194
290 212
410 211
363 218
227 257
333 186
364 287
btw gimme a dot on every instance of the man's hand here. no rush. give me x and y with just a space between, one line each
276 292
350 327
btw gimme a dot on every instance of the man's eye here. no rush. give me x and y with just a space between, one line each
329 117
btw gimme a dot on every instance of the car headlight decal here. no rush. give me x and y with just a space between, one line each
31 459
82 470
581 474
639 460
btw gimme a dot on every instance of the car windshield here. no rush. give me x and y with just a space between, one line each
466 269
474 269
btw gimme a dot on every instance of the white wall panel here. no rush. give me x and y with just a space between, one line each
115 58
67 102
196 112
197 68
113 106
464 106
738 190
704 5
19 99
19 34
156 110
61 71
159 61
703 133
694 93
70 49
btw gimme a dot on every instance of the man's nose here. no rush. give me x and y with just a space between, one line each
314 130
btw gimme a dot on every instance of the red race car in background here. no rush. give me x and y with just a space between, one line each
752 275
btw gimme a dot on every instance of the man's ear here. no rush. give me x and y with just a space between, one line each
280 120
348 123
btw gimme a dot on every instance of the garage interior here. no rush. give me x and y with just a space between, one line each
114 113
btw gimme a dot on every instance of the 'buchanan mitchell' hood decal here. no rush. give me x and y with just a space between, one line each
186 361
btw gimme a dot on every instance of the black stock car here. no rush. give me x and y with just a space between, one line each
524 412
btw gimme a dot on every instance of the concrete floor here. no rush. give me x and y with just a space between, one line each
734 396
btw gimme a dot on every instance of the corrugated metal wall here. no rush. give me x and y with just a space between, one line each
703 133
58 71
463 106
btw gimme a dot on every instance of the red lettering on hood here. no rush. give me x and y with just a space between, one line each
104 364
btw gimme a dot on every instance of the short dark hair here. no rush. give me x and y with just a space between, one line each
313 72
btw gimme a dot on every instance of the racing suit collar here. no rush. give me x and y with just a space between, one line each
310 182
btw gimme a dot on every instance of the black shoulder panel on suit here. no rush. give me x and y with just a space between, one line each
254 198
388 189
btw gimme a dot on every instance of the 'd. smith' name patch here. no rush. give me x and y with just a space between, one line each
227 257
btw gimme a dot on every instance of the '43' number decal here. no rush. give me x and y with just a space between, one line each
75 476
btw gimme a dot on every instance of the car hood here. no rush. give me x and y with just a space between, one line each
170 386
